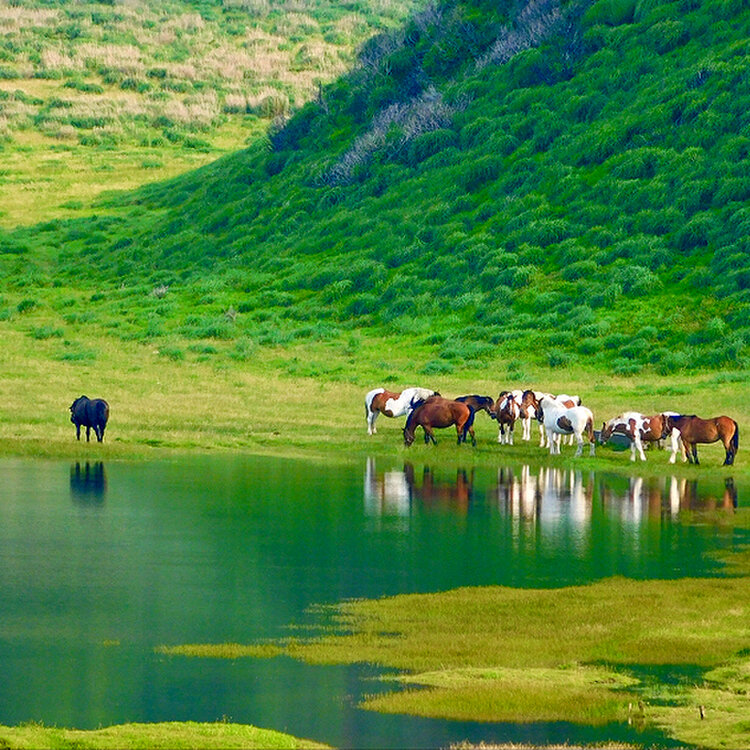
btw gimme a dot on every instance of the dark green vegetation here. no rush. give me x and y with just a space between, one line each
563 183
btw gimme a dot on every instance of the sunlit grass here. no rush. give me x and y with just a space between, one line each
165 736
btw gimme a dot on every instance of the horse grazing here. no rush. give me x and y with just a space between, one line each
694 430
507 411
562 420
638 428
381 401
440 412
89 412
479 403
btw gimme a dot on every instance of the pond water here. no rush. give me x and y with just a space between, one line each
102 563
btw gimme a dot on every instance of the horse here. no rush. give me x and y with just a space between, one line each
507 411
528 408
89 413
694 430
563 420
638 428
479 403
440 412
381 401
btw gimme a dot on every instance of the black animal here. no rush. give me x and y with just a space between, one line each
90 412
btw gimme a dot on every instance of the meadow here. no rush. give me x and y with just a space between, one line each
486 197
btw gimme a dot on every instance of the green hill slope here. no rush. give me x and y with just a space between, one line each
553 182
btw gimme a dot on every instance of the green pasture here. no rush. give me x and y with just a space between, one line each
307 399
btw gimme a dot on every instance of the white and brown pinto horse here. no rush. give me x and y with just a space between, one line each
507 411
440 412
638 428
694 430
531 409
560 420
381 401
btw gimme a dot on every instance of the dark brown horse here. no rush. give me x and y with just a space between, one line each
89 412
479 403
440 412
694 430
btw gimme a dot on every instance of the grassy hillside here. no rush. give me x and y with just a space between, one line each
545 183
105 95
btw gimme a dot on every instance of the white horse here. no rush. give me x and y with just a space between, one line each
381 401
562 420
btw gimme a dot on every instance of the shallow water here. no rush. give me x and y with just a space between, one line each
100 564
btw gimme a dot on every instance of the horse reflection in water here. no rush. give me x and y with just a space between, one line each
392 493
546 497
88 483
666 497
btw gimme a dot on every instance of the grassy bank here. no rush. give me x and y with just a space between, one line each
171 735
308 401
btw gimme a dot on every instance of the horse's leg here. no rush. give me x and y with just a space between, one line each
686 447
541 435
674 445
638 445
579 440
88 433
78 432
371 417
695 454
473 437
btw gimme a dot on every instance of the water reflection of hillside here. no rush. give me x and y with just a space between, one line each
542 496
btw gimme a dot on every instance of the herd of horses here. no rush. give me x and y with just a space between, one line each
560 417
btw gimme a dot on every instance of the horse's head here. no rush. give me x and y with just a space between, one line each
74 406
606 433
408 436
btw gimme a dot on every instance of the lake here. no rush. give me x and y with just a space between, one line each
100 564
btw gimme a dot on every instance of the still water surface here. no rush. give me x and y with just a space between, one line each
100 564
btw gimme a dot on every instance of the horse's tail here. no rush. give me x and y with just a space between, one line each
590 429
469 422
736 438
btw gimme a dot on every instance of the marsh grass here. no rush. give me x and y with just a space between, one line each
576 654
165 736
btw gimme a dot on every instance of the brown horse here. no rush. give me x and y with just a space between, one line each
694 430
479 403
440 412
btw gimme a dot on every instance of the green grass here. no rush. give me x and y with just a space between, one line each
169 736
96 98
